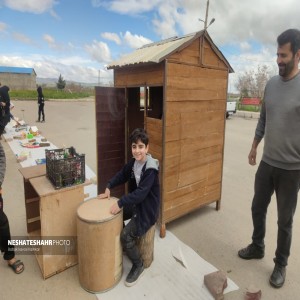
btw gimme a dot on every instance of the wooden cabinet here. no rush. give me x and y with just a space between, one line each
51 215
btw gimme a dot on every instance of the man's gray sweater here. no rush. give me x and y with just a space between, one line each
279 123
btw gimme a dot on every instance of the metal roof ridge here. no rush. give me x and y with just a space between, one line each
171 39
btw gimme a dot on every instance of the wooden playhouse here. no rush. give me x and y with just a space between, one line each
176 89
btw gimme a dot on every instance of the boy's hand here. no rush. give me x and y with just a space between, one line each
106 194
114 209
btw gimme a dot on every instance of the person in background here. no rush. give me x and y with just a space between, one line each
279 169
11 115
141 204
4 107
9 254
41 104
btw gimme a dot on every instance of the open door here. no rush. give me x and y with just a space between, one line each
110 108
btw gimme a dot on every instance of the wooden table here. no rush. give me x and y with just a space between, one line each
51 215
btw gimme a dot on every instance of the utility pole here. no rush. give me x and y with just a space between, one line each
206 15
205 29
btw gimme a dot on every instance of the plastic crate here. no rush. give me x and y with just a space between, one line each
64 167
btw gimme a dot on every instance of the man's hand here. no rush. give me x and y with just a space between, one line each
106 194
252 157
253 152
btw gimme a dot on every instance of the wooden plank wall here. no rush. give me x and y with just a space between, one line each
192 55
139 76
194 138
154 129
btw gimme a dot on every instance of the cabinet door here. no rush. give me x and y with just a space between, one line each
110 133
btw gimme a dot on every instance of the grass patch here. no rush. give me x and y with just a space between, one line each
254 108
51 94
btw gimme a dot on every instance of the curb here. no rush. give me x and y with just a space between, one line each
247 114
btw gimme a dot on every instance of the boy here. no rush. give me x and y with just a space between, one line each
141 205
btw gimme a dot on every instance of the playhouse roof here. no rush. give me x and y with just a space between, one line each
159 51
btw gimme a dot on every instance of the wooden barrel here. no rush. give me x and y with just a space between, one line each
145 245
99 247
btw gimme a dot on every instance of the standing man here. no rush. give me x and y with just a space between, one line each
41 104
279 169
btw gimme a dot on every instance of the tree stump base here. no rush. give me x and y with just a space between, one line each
145 245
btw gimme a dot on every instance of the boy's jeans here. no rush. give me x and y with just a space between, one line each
128 240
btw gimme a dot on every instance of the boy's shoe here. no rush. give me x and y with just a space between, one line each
135 273
251 251
277 278
38 121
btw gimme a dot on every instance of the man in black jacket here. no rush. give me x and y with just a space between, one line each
4 107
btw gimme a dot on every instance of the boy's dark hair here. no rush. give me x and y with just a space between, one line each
139 134
290 36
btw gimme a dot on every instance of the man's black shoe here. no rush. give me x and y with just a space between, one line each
278 276
251 251
134 274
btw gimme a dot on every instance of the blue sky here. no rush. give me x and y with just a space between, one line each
78 38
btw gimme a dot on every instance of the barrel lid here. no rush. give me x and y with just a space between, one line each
96 210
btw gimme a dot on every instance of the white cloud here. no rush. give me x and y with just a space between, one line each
3 27
129 7
245 46
135 41
49 39
55 45
99 51
73 68
32 6
112 37
22 38
165 22
257 20
235 21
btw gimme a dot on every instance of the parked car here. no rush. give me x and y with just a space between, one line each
230 108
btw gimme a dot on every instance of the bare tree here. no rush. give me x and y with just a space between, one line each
252 83
261 77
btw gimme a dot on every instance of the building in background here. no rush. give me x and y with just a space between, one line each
18 78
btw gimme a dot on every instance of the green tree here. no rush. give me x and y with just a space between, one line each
61 84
